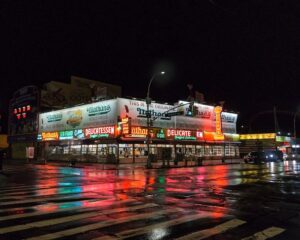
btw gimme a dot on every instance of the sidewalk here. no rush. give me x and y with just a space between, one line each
125 166
140 165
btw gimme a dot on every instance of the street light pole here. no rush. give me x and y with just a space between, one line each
295 132
148 115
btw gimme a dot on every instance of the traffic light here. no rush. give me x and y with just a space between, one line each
190 109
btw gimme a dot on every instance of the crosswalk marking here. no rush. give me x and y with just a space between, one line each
105 223
106 237
64 209
213 231
66 198
144 230
265 234
55 221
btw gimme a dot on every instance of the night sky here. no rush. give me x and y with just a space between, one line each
244 52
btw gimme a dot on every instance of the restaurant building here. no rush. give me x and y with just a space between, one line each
115 131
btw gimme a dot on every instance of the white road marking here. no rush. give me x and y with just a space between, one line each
265 234
63 209
55 221
106 223
213 231
167 224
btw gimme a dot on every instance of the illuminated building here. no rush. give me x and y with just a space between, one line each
115 130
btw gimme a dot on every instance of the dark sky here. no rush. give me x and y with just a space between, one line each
244 52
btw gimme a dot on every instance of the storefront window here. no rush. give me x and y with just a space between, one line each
208 150
75 149
84 149
217 150
92 149
140 150
125 150
102 149
200 150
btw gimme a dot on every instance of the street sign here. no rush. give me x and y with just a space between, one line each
171 114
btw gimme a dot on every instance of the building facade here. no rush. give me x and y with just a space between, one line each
29 101
115 131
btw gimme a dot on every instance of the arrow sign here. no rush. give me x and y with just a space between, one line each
171 114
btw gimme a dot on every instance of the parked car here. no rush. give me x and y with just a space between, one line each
263 156
255 157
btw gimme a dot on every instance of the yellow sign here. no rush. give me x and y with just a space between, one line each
218 135
48 136
257 136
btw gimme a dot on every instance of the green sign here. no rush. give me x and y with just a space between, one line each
161 134
185 138
64 135
98 110
54 117
103 135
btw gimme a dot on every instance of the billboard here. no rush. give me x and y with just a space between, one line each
137 109
205 119
86 116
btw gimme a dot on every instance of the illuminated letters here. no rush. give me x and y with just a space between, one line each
219 135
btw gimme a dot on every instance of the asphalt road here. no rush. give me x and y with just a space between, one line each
238 201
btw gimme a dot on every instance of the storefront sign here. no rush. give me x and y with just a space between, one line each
66 135
126 125
137 110
86 116
218 135
78 134
178 134
98 110
257 136
50 136
100 132
199 135
160 134
138 132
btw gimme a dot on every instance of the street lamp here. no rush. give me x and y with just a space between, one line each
295 132
148 115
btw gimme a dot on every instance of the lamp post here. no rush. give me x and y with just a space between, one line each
295 132
148 115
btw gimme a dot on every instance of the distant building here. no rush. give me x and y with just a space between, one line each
264 141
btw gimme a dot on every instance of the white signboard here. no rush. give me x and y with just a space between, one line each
137 109
102 113
205 119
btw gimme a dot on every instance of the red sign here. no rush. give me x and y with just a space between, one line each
99 132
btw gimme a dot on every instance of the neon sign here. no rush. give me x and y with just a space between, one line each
257 136
99 132
126 125
139 131
179 134
65 135
50 136
219 135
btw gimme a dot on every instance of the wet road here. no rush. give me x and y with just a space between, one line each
240 201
